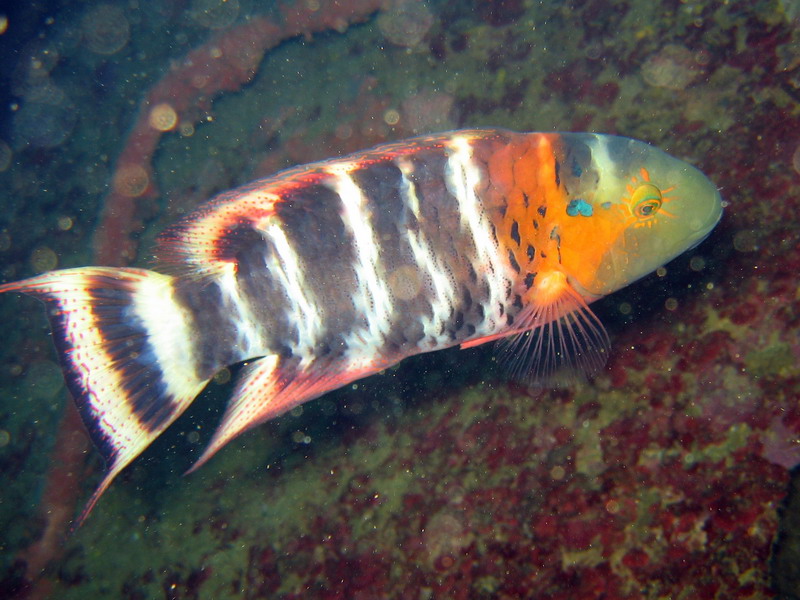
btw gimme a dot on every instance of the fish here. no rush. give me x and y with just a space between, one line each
327 273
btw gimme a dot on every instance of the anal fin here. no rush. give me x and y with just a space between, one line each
268 388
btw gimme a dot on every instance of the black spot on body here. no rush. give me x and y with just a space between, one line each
558 169
467 299
531 252
515 232
529 280
542 210
473 276
513 260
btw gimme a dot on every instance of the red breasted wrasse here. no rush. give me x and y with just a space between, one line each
333 271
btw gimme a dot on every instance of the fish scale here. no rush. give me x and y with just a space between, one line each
330 272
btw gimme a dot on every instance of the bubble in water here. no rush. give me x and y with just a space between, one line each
163 117
37 59
44 380
697 263
223 376
405 22
428 110
214 14
106 29
673 67
131 181
44 124
43 259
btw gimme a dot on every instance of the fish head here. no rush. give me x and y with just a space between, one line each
628 208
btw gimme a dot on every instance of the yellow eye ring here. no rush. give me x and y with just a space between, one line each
646 201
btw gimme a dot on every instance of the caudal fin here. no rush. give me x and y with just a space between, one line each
125 347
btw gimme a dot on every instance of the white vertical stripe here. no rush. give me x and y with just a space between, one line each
303 311
444 289
168 330
444 292
408 189
250 340
372 299
462 178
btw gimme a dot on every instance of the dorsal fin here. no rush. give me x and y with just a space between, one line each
207 239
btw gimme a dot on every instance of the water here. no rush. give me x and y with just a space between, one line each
662 477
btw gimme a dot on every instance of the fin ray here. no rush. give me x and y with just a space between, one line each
122 343
267 389
560 335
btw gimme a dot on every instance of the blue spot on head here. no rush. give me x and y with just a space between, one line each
605 205
579 206
576 169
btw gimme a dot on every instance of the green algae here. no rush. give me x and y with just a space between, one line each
776 360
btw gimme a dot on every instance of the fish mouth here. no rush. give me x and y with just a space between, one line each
711 227
700 240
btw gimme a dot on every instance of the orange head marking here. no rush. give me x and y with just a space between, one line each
645 200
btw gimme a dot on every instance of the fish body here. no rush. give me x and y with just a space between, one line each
330 272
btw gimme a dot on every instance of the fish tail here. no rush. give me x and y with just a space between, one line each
126 349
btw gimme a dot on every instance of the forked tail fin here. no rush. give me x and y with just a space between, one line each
126 349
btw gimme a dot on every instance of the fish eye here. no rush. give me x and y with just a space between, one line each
646 201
